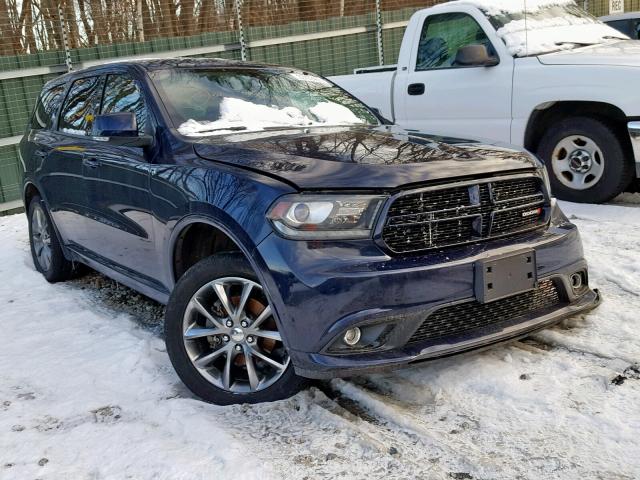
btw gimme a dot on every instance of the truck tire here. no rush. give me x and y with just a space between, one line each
586 160
46 251
224 349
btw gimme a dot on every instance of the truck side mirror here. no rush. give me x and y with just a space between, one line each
475 56
119 129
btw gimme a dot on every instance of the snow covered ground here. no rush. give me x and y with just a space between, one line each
87 392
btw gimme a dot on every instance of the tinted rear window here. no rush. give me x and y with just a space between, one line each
47 107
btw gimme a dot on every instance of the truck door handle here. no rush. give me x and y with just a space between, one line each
416 89
90 162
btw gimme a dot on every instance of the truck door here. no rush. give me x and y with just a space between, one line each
438 92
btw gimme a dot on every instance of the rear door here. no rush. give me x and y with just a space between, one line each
62 174
120 225
438 96
41 139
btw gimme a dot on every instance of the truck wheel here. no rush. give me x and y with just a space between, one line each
586 160
222 337
46 250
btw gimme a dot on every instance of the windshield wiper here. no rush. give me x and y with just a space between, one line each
582 44
613 37
232 129
286 127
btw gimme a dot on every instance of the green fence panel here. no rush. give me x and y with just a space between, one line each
10 174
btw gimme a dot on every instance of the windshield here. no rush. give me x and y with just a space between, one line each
218 102
548 26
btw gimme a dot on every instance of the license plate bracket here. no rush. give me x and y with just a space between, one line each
505 275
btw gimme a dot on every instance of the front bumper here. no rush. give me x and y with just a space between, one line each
321 366
634 135
318 290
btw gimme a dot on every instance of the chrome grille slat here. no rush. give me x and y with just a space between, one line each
452 215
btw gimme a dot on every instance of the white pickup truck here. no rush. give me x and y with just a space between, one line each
555 81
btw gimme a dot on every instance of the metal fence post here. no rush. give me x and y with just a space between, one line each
65 38
379 32
243 44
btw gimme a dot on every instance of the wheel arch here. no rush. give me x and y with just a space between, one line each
225 225
548 113
29 191
228 236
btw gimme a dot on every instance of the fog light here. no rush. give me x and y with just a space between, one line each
577 281
352 336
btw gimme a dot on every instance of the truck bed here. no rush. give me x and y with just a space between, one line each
373 86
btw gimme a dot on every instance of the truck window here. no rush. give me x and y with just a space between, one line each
121 94
443 35
47 108
623 26
81 106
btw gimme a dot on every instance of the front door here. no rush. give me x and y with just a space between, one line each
435 94
120 221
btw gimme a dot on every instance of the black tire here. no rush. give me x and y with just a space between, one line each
212 268
618 168
59 268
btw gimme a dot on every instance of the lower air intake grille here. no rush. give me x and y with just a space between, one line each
465 317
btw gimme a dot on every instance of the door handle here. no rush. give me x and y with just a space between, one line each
90 162
416 89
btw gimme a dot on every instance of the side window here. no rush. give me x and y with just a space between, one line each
82 105
122 94
636 30
443 35
47 108
623 26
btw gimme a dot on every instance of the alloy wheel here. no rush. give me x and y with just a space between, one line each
577 162
41 237
231 337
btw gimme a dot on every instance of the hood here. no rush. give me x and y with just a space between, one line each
625 53
360 158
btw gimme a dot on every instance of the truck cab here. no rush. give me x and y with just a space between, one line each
552 79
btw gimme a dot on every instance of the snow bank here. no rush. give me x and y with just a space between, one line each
86 393
236 114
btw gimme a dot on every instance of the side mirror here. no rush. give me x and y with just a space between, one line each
119 129
475 56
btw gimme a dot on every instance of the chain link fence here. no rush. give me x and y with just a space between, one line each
40 39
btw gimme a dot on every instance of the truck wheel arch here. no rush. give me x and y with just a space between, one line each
548 113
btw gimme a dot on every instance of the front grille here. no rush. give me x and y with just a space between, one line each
453 215
465 317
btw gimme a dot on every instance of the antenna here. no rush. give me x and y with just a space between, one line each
526 30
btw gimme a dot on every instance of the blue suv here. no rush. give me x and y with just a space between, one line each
291 232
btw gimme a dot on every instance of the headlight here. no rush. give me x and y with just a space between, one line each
315 217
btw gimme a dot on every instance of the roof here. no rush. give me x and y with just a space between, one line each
151 64
620 16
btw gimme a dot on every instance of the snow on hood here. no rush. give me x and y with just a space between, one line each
535 36
237 114
624 53
496 7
